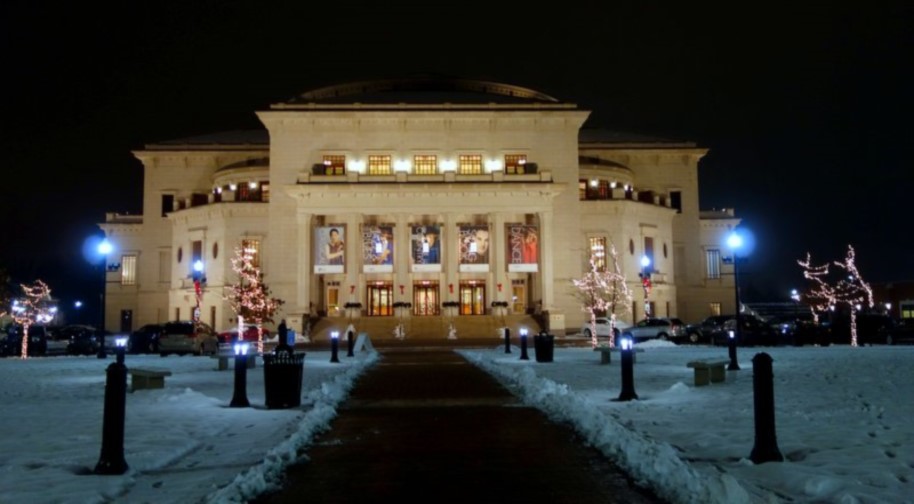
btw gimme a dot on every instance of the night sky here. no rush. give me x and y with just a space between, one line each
807 111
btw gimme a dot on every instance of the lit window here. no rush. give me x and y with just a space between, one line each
598 252
265 192
379 165
514 163
335 164
470 164
713 257
715 309
128 270
252 247
426 165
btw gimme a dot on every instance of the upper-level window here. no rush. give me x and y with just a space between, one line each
252 248
168 203
470 164
128 270
379 165
196 254
676 200
425 164
250 191
598 252
336 164
713 259
514 163
265 192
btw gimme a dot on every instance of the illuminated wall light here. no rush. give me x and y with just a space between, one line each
613 184
402 165
628 187
493 165
233 187
357 165
522 161
252 185
448 165
594 183
218 190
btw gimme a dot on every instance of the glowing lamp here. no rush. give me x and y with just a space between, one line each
241 348
626 342
233 187
105 247
252 185
198 265
523 332
120 342
645 261
334 334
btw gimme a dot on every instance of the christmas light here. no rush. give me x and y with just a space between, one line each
604 291
851 289
250 297
34 308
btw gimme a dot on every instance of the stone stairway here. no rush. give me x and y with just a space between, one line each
472 328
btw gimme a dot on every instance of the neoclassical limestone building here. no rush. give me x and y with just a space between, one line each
407 196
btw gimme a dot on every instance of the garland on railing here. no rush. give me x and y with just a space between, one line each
353 306
450 304
499 304
403 304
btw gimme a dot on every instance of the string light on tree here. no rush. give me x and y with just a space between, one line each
250 298
35 307
850 289
603 290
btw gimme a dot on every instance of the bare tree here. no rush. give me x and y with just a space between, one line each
604 291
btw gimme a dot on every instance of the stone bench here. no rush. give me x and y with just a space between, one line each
147 378
606 353
708 371
223 358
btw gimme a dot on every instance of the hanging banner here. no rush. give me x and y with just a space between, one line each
330 249
425 248
474 247
523 247
378 248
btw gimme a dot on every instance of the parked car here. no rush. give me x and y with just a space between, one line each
701 332
656 328
250 334
869 326
187 337
602 325
81 339
753 332
899 333
11 344
145 339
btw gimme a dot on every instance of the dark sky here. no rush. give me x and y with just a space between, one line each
807 110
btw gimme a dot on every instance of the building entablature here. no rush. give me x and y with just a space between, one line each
207 213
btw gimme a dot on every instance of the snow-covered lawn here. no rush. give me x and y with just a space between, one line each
844 416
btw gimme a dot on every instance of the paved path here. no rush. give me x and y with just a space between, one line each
424 425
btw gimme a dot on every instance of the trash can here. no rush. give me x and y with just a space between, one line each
543 345
282 378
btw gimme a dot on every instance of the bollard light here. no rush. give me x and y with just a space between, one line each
111 461
731 346
334 346
766 442
523 344
507 340
349 344
120 348
628 373
240 395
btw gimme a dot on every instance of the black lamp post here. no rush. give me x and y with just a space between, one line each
240 395
334 346
735 241
104 248
628 373
111 461
646 283
507 340
523 344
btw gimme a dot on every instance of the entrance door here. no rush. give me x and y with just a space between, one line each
425 299
473 298
518 296
380 300
126 321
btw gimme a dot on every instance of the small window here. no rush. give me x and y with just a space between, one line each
598 252
252 247
379 165
335 164
128 270
168 204
676 200
714 308
215 250
425 165
470 164
180 254
514 163
713 263
265 192
631 247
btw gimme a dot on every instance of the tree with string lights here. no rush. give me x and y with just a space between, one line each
603 290
35 307
849 289
250 297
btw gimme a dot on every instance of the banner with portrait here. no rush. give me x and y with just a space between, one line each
425 248
378 248
474 242
523 247
330 249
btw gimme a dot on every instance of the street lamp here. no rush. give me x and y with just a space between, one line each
104 248
646 283
735 242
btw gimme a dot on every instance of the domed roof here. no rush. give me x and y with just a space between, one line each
423 90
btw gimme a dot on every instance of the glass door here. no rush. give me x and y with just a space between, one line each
380 300
425 299
518 297
473 298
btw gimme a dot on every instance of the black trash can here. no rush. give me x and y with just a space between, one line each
543 345
282 377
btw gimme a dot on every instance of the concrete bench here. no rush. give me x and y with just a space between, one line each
708 371
224 357
606 353
147 378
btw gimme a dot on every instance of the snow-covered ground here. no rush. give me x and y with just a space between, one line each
845 424
844 416
182 443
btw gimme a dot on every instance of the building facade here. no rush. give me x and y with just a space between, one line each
412 197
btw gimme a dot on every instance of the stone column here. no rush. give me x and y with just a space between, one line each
304 272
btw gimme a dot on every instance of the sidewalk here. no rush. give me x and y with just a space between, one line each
426 424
